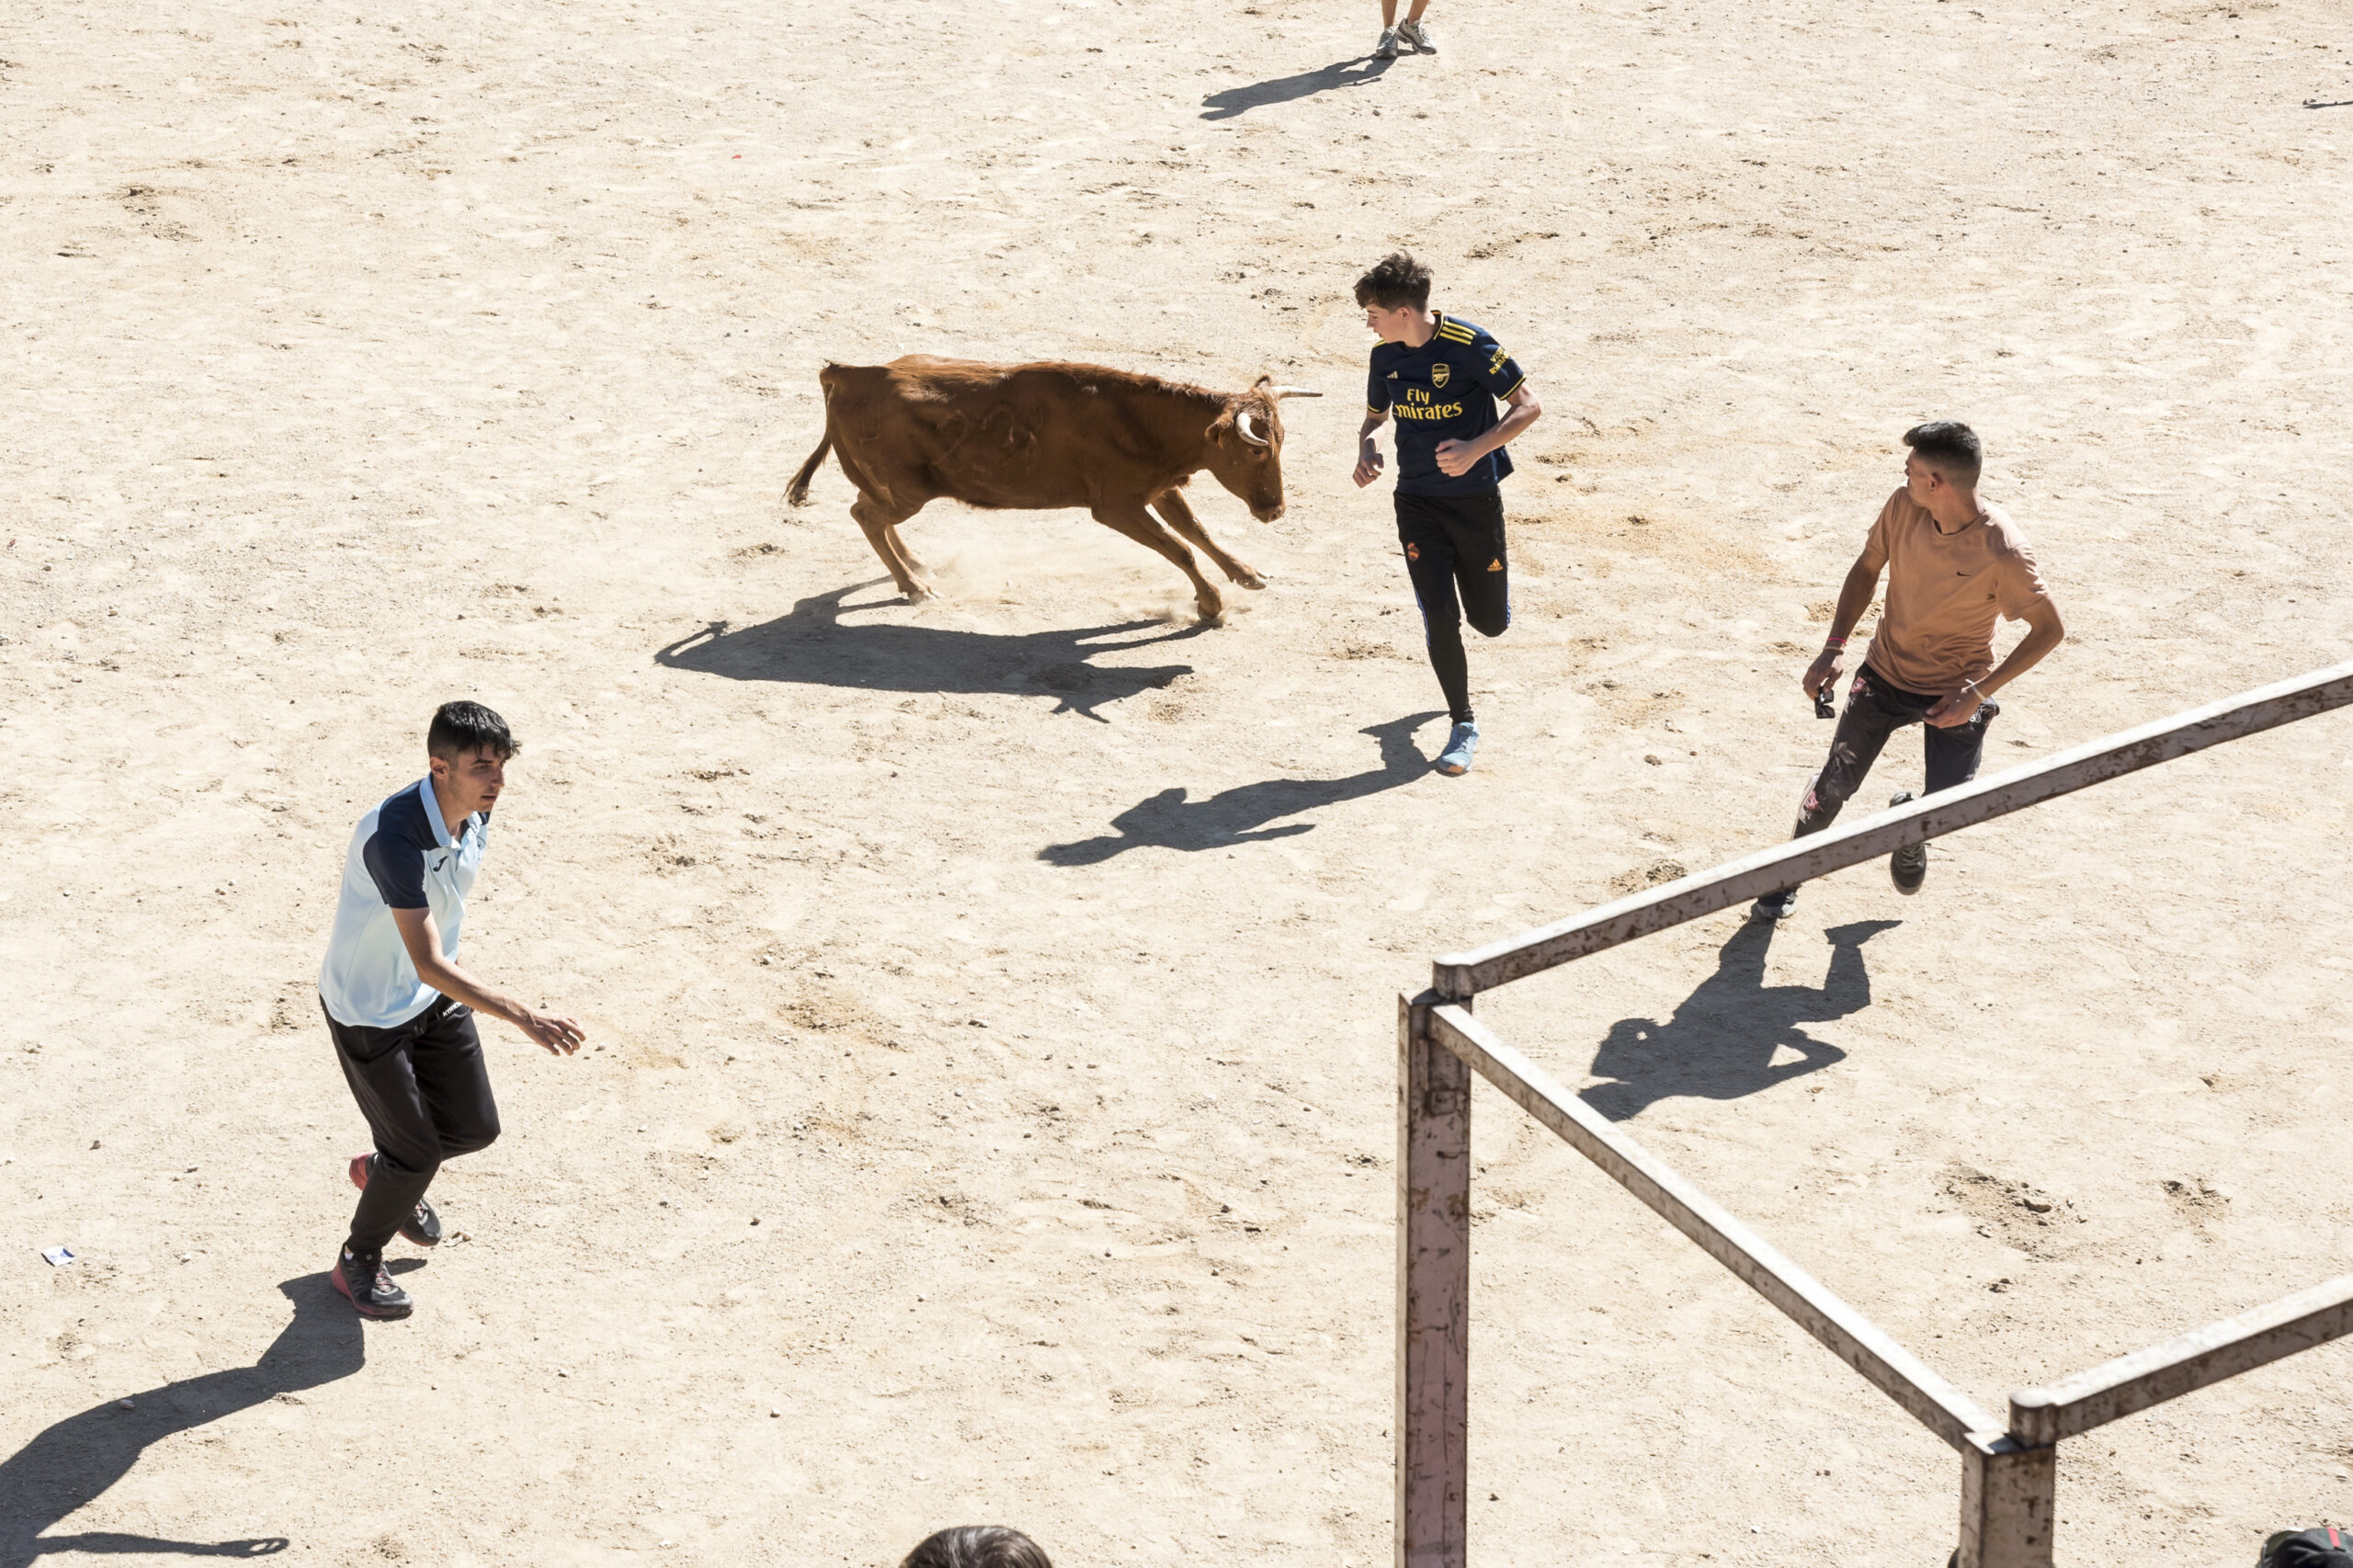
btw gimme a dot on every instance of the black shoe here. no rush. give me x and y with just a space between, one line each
363 1282
1774 905
1909 865
423 1227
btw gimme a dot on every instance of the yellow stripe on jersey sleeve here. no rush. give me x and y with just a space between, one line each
1515 388
1454 333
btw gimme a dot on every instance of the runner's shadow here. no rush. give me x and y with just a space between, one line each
1720 1044
73 1463
1236 101
814 646
1168 821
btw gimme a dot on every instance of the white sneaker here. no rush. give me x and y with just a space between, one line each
1418 35
1387 48
1461 747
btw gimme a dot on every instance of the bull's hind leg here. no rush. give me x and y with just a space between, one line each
1146 529
1170 504
882 526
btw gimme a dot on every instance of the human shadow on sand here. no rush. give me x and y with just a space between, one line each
72 1464
1169 821
814 646
1236 101
1720 1044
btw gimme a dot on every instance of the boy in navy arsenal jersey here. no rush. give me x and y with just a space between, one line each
399 1008
1440 377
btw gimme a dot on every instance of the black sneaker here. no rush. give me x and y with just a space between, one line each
363 1282
1909 865
1774 905
423 1227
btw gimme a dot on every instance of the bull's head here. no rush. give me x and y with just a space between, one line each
1245 447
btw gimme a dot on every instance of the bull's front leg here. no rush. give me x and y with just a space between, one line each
1170 504
882 526
1140 526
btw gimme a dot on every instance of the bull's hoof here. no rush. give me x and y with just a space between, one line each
917 593
1209 612
1250 580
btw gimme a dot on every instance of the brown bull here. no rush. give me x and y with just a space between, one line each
1046 436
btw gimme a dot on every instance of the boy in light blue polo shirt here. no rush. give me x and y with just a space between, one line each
400 1009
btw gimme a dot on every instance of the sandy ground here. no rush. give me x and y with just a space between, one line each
990 1112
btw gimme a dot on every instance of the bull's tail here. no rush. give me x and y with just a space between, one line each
797 493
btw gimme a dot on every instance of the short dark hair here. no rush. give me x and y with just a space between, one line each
1950 447
1397 281
460 727
977 1546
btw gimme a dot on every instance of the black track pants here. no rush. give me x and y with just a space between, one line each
426 1095
1455 544
1876 709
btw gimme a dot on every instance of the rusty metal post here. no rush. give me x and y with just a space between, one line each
1433 1293
2006 1496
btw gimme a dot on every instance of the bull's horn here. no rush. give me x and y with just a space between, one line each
1243 422
1291 391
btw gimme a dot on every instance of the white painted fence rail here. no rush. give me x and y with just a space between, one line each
2009 1478
1458 975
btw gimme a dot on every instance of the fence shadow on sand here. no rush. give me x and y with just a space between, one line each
814 646
73 1463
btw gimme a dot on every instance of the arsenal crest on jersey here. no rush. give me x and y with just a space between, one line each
1438 372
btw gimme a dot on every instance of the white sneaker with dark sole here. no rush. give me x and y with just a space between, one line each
1418 35
1387 48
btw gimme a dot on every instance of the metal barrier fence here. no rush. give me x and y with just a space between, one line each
2009 1471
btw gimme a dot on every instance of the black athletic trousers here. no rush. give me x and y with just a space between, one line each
424 1090
1876 709
1456 543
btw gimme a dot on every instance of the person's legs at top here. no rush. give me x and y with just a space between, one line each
1874 711
1413 35
1416 31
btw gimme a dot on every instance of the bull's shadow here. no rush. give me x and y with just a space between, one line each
813 645
1169 821
1720 1044
1236 101
71 1463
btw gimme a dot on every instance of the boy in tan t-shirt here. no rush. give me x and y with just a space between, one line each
1954 566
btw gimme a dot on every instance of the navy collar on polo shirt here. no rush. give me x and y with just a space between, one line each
441 838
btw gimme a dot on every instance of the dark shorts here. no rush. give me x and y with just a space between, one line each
1456 557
